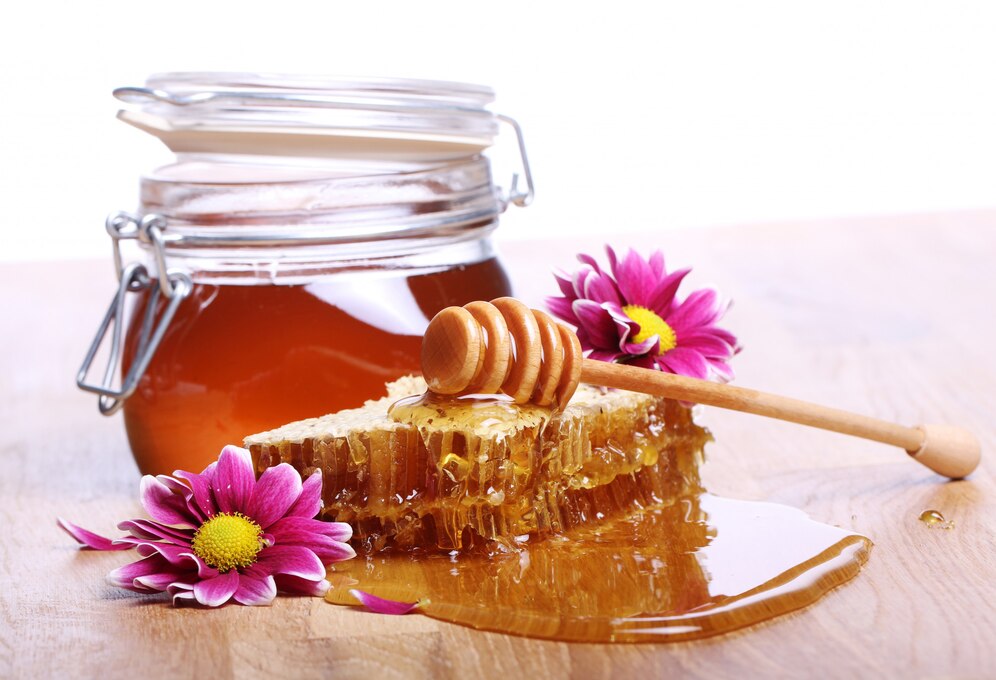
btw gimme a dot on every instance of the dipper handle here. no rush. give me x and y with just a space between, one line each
503 346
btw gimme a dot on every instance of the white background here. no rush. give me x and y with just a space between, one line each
637 117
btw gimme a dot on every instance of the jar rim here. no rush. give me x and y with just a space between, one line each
446 198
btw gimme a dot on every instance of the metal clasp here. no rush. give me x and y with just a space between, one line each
515 195
174 285
149 230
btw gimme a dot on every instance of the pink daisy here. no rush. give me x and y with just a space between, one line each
222 535
632 316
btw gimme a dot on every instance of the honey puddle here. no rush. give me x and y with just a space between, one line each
700 566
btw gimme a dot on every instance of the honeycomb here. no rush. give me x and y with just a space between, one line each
461 474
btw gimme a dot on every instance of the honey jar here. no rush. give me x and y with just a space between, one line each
290 257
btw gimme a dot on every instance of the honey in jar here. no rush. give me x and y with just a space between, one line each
292 255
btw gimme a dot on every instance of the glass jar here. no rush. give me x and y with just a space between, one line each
292 255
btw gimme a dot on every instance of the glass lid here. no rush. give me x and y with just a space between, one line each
312 115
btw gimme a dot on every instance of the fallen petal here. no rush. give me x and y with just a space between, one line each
89 539
381 605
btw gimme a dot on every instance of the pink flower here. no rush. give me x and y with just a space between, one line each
223 535
632 316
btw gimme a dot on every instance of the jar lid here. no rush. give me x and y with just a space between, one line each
317 116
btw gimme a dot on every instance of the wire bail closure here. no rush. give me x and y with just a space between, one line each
174 285
515 195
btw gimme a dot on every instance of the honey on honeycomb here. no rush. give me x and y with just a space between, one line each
467 473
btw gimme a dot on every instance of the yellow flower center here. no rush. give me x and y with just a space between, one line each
650 325
227 541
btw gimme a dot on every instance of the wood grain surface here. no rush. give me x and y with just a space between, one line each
892 317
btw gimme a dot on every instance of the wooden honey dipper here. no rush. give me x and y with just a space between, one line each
503 346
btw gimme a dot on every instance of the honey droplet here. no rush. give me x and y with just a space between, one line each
935 520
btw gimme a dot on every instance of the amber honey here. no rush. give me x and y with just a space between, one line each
586 524
472 474
690 568
239 359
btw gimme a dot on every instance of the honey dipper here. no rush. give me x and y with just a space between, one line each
503 346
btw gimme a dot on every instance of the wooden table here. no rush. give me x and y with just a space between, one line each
888 316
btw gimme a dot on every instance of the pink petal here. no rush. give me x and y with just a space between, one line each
89 539
720 369
566 284
657 264
309 503
299 527
636 280
163 505
301 586
584 258
293 560
200 487
233 480
182 594
153 531
277 490
662 299
181 557
601 289
699 309
684 361
613 261
160 581
216 591
184 492
651 345
625 326
255 589
724 335
327 549
706 343
599 327
151 570
381 605
561 308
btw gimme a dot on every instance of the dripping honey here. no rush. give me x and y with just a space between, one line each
242 359
632 566
693 567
